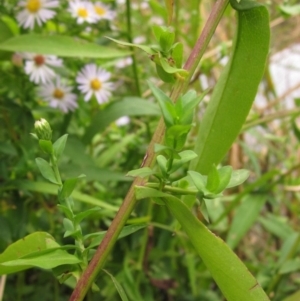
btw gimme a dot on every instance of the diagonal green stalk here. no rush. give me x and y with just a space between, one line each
105 247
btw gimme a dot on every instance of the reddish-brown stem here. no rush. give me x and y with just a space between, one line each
105 247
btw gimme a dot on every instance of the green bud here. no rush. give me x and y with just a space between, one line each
43 129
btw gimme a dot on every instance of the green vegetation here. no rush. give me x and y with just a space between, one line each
135 163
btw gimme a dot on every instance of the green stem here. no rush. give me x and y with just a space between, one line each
128 205
174 190
271 117
134 64
202 43
55 169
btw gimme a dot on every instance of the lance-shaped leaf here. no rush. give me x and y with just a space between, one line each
236 89
230 274
147 49
38 249
46 170
59 45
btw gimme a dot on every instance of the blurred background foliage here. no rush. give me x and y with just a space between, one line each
259 220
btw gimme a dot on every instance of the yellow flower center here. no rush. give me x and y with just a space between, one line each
100 10
39 60
82 12
96 84
33 5
59 94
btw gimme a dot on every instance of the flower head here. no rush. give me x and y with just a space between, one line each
36 11
102 12
93 80
37 66
83 11
43 129
58 95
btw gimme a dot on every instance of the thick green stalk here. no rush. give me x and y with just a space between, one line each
128 205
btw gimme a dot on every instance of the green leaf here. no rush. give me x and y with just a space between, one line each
68 224
46 146
293 297
127 230
185 156
198 180
162 164
143 172
290 266
59 145
46 170
13 259
276 225
230 274
5 33
117 285
68 187
225 174
163 75
108 156
291 10
12 24
46 261
64 46
213 180
129 106
147 49
177 54
44 187
165 103
142 192
189 102
159 148
245 216
157 31
66 210
166 40
289 248
238 177
171 70
235 91
176 136
82 215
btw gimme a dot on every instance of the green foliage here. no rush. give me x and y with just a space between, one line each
166 55
64 46
35 250
62 194
217 256
46 170
234 93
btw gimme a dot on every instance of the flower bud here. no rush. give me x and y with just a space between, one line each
43 129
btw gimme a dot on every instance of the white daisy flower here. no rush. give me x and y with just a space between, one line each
36 11
58 95
124 62
93 80
83 11
37 66
103 12
122 121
